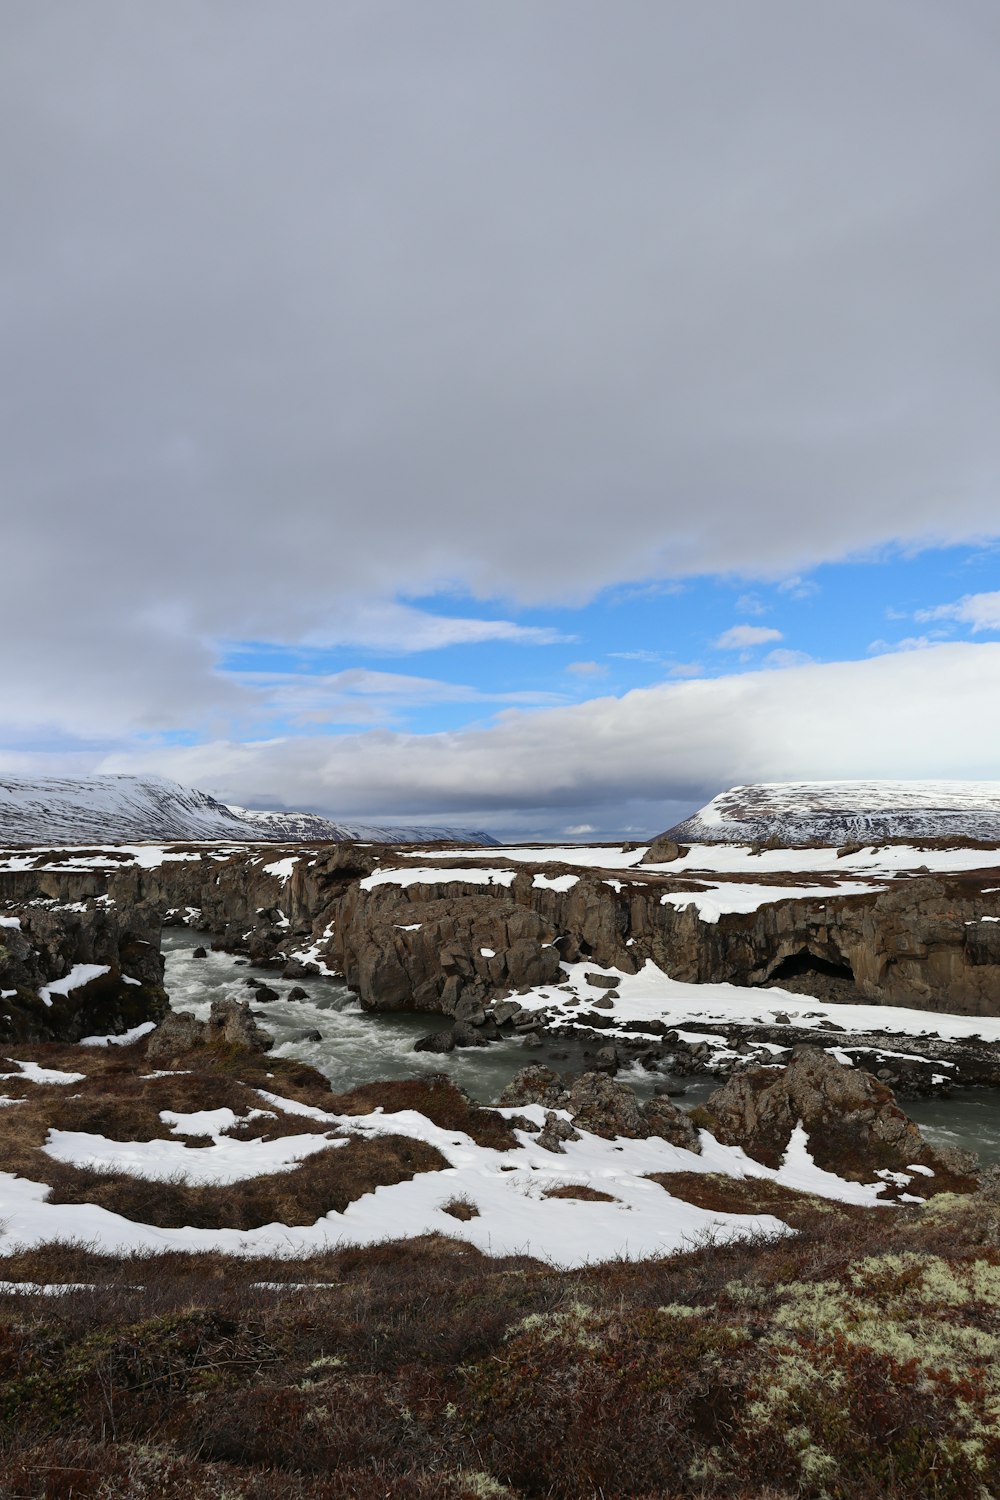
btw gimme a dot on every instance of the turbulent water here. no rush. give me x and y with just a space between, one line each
357 1046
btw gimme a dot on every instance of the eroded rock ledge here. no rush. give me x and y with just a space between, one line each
455 940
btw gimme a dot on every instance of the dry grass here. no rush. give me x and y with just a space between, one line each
116 1101
424 1369
582 1192
440 1100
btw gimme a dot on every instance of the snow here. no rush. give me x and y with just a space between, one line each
282 869
732 896
835 812
83 810
652 995
555 882
79 975
426 875
607 857
508 1188
225 1161
10 921
35 1074
123 1038
487 953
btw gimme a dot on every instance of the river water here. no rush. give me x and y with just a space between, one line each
358 1046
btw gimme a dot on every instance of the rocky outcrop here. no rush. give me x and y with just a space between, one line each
44 947
450 954
230 1027
597 1104
854 1125
929 942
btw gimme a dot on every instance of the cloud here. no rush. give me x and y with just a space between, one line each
751 604
740 637
587 669
347 328
908 643
362 696
347 332
628 760
981 611
785 658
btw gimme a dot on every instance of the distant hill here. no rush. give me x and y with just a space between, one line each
831 813
136 809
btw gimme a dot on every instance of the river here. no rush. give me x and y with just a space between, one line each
358 1046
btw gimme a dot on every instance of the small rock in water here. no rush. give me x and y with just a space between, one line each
438 1041
297 993
466 1035
532 1039
200 953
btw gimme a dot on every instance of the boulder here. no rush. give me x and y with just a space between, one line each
199 953
464 1034
438 1041
597 1104
853 1122
230 1024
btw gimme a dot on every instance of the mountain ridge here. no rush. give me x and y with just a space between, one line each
832 813
111 808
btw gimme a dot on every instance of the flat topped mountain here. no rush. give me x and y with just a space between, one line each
830 813
136 809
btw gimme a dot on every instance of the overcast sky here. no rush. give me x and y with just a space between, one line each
542 414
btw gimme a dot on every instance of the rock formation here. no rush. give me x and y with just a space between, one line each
854 1125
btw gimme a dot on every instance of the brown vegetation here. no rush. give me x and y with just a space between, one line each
852 1360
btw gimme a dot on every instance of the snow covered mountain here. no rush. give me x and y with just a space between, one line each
135 809
830 813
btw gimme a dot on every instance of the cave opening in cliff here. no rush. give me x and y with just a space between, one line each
805 964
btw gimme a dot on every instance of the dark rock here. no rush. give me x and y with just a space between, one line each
602 982
297 993
466 1035
531 1039
605 1108
296 969
606 1059
554 1132
199 953
506 1012
438 1041
534 1085
853 1122
672 1124
230 1024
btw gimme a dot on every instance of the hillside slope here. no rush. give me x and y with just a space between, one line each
134 809
795 813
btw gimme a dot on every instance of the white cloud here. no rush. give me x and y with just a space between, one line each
587 669
751 604
740 637
934 713
359 695
981 611
785 658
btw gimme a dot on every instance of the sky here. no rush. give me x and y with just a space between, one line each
534 416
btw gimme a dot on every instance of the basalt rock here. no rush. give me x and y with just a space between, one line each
450 954
50 941
230 1025
854 1125
601 1106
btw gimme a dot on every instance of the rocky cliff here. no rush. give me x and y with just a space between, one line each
447 939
